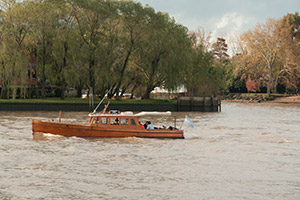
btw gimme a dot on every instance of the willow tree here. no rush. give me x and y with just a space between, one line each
14 30
43 37
132 28
63 40
92 17
163 53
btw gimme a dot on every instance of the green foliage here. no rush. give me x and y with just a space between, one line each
207 75
103 46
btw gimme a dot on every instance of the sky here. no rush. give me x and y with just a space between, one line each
224 18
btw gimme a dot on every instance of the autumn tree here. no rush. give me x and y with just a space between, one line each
269 54
262 46
289 30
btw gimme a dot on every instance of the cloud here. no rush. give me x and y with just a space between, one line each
229 22
230 26
223 18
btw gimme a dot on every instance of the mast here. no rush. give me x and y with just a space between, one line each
95 110
106 107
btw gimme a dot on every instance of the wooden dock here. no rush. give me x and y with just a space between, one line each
199 104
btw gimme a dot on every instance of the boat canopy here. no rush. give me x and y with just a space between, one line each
129 114
167 113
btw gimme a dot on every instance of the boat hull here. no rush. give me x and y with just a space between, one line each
76 130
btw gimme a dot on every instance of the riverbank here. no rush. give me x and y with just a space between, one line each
290 99
69 100
185 104
262 98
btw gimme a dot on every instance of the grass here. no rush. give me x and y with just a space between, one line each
79 100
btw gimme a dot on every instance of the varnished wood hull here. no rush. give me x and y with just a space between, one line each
70 130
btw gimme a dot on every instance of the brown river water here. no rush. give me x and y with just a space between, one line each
248 151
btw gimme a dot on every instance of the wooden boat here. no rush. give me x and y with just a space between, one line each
106 125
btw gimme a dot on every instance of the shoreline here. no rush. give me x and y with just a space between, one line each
279 100
135 107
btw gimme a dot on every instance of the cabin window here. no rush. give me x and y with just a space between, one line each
104 120
124 121
96 121
114 121
132 122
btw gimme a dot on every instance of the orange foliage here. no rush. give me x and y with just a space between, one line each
252 85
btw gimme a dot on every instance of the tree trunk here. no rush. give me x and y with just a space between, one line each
91 72
43 78
4 92
14 93
123 70
62 92
148 92
79 91
151 85
64 65
269 85
4 86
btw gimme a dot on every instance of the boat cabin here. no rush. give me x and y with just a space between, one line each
113 120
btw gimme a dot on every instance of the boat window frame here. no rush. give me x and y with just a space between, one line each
111 120
94 120
132 120
124 121
107 120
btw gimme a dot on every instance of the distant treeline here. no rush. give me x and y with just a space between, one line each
123 46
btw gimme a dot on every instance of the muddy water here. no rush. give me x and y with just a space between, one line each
248 151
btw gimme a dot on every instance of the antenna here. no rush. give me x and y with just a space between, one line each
95 110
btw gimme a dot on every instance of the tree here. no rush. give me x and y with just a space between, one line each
133 20
289 31
44 26
269 54
92 17
162 53
262 47
64 39
14 30
209 74
219 50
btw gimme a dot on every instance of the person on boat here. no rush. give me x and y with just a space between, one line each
141 125
149 125
96 121
116 121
